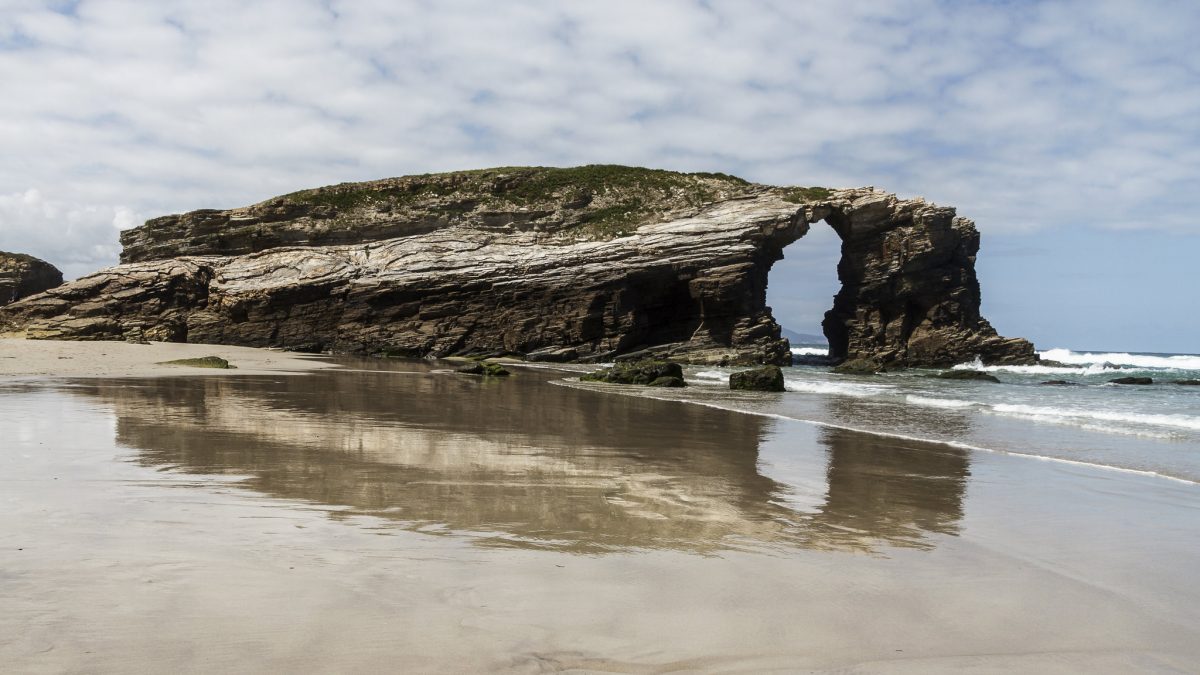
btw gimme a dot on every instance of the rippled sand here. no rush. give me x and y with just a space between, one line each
395 517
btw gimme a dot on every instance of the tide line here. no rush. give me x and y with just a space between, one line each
885 434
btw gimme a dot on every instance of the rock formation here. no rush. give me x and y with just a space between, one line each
647 373
766 378
583 264
909 293
24 275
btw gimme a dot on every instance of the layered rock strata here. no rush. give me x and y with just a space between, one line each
909 292
584 264
24 275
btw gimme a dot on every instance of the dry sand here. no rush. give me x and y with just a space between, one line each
62 358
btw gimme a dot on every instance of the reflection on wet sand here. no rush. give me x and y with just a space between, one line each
529 464
894 418
899 488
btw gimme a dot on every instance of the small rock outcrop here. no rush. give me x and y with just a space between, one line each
201 362
859 367
582 264
767 378
484 368
1049 363
650 373
1192 383
24 275
1132 380
960 374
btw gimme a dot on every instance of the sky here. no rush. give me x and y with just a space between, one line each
1068 131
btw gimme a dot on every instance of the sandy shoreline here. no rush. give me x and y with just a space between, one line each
66 358
392 516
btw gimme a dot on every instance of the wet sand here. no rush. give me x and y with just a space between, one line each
60 358
392 516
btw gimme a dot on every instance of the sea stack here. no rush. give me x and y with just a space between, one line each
581 264
24 275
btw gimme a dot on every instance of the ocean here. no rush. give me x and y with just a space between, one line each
1152 429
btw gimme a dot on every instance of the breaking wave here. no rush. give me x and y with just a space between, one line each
1176 362
810 351
856 389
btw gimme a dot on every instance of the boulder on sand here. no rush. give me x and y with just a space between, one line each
767 378
638 372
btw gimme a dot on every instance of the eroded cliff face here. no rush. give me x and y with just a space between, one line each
24 275
585 264
909 292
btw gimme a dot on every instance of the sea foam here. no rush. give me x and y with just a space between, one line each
938 402
1070 415
1091 364
855 389
1177 362
810 351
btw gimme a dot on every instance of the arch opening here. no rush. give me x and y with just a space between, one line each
801 287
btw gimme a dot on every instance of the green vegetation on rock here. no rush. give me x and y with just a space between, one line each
19 257
801 195
202 362
652 373
767 378
593 201
484 368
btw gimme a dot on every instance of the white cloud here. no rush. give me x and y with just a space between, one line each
1025 116
75 237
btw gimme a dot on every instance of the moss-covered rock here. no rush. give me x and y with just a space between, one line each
637 372
803 195
595 202
484 368
202 362
769 378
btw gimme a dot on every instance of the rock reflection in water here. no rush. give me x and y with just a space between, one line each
896 417
902 488
526 463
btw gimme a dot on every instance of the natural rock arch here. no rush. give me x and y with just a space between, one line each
588 264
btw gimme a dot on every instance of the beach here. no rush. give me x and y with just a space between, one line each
59 358
362 515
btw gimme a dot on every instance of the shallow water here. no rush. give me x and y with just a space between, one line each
394 515
1153 429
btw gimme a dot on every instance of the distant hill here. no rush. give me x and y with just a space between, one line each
803 338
